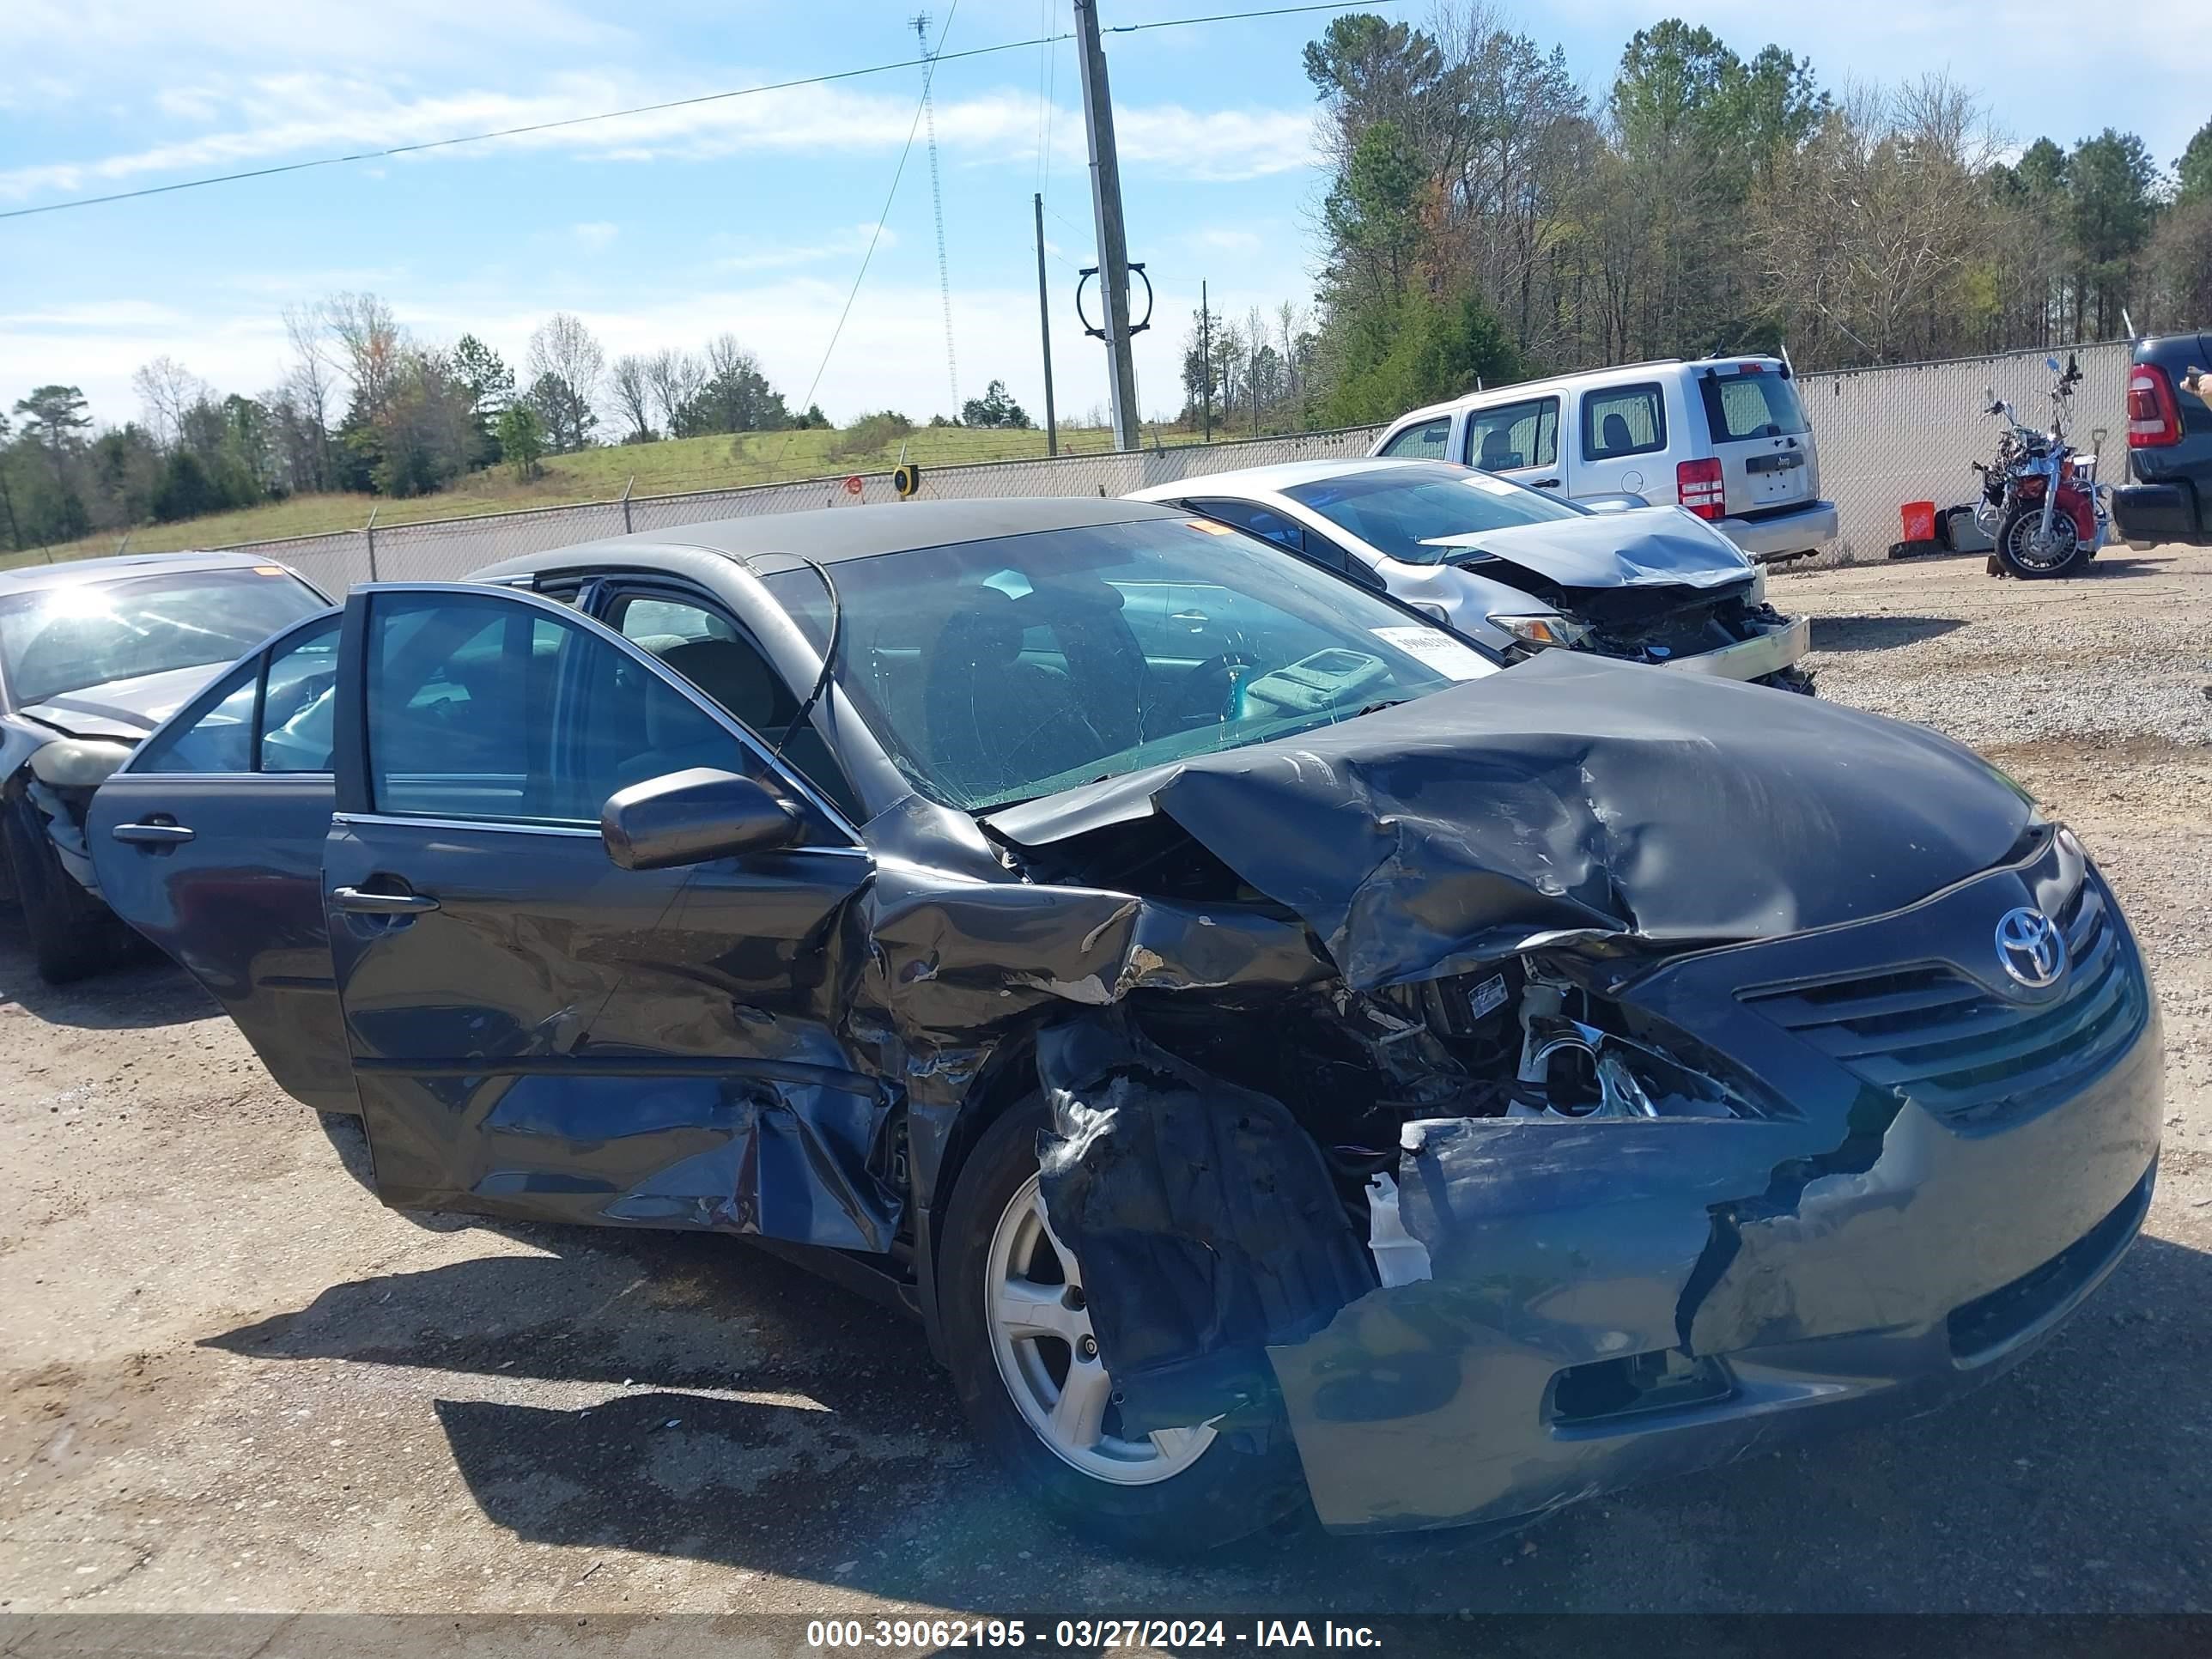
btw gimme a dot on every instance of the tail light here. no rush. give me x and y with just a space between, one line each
1698 486
2153 417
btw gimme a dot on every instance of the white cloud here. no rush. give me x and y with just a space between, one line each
201 104
768 255
98 314
595 234
115 37
305 114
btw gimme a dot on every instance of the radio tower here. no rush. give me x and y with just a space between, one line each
936 201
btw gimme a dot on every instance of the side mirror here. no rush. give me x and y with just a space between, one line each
2051 363
688 817
1626 500
1989 399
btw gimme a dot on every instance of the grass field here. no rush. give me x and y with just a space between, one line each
661 469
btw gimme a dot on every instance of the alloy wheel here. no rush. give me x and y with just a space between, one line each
1040 1337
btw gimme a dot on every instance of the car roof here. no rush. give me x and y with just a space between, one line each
77 572
830 535
1611 371
1282 475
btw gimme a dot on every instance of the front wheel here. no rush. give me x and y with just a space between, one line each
71 933
1018 1334
2027 551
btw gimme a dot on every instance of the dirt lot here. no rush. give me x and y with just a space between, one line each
233 1382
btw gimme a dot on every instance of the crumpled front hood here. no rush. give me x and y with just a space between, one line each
1572 797
124 709
1644 547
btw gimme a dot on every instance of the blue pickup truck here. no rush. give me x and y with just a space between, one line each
2168 497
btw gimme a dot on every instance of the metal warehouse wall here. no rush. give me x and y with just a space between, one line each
1886 435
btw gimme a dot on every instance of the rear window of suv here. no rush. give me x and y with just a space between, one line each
1759 403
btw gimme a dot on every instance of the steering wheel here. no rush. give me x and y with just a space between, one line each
1204 694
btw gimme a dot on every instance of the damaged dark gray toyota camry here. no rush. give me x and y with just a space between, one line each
1274 1052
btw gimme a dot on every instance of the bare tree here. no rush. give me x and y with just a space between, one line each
1290 324
631 386
675 378
167 389
308 385
564 349
371 345
1865 235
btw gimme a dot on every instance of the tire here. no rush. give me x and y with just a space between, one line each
1792 678
2017 552
72 934
1189 1492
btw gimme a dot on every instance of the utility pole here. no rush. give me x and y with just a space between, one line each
1106 207
1206 358
1044 330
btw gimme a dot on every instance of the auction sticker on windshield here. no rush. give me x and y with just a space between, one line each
1439 650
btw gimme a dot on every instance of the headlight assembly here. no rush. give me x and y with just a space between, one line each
78 762
1541 629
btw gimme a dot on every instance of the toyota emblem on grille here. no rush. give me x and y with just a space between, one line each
2031 947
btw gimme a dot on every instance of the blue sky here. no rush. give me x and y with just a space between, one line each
751 215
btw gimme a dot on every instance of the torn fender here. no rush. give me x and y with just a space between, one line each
1205 1214
1572 797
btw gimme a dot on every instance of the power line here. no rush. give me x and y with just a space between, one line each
928 73
390 151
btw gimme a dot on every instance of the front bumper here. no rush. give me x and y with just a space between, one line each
1870 1259
1809 526
1755 658
62 813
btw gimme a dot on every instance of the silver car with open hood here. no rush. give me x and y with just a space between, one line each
1518 570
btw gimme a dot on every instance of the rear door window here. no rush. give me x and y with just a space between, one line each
271 713
1747 405
1623 419
1511 435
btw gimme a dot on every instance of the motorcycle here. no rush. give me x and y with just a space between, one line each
2042 508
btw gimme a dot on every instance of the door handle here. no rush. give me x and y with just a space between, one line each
152 834
361 903
1545 483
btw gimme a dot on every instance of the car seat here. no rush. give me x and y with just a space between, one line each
737 677
1618 441
993 722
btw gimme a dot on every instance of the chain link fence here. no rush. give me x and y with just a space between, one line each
1911 433
1885 436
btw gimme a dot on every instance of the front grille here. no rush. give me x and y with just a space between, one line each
1968 1055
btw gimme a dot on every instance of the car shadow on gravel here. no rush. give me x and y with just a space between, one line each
147 990
1879 633
746 1414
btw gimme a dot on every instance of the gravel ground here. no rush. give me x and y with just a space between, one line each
233 1382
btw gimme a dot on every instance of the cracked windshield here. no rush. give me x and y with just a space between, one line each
1001 670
